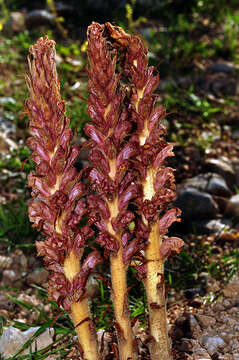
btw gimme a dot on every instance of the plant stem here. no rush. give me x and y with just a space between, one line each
80 312
120 293
155 290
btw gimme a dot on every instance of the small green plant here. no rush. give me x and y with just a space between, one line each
15 225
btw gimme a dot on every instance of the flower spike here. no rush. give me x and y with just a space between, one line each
56 207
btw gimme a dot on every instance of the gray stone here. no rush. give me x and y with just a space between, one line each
193 323
198 182
235 164
214 226
190 293
13 339
212 343
222 67
235 134
17 21
7 127
10 276
92 287
206 321
223 167
195 204
38 276
38 18
218 186
185 346
232 288
181 321
6 303
7 100
210 182
232 207
5 262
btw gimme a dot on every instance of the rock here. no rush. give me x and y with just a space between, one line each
223 167
195 204
227 303
235 164
232 207
178 333
232 288
5 100
222 85
196 302
217 84
222 67
5 262
185 346
203 356
10 276
17 21
7 127
181 321
32 300
198 182
64 9
214 287
222 203
38 276
215 226
13 339
75 62
235 134
92 287
23 262
206 321
218 307
194 328
38 18
212 343
190 293
218 186
6 303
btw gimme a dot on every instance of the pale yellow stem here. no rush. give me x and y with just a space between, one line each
80 312
154 282
120 294
155 290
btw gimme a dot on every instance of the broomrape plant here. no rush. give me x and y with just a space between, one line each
125 192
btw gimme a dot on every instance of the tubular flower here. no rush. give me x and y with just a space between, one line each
56 207
156 180
111 157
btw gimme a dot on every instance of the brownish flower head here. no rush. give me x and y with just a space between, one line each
56 207
154 176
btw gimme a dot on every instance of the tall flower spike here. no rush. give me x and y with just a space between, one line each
158 184
110 156
56 207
